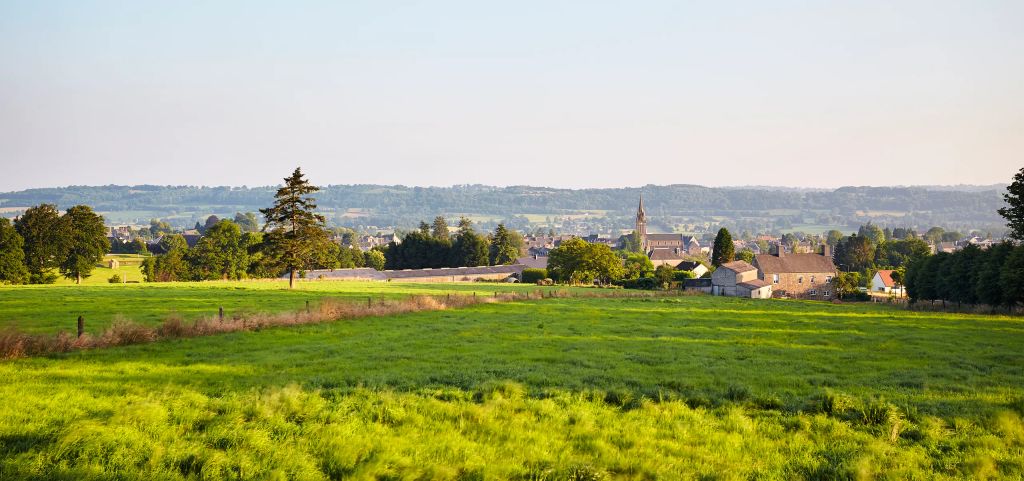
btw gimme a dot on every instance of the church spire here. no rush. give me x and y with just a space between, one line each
641 224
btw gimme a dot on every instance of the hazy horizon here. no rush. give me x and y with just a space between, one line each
573 95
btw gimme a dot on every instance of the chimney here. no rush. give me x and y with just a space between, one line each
780 251
826 250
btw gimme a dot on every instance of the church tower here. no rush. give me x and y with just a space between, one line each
641 224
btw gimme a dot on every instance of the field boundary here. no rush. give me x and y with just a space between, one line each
15 344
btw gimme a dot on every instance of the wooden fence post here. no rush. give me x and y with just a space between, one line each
369 302
81 326
220 313
307 306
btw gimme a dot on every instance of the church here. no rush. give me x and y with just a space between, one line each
663 246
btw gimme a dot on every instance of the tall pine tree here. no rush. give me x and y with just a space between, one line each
294 230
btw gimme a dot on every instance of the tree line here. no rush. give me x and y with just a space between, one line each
434 246
42 243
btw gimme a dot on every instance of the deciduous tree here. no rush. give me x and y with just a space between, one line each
87 242
12 255
1014 210
46 238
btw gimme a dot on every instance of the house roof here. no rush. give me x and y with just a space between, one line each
455 271
796 263
886 276
685 239
754 284
687 265
664 255
533 262
738 266
370 273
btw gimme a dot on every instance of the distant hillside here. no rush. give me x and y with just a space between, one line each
687 208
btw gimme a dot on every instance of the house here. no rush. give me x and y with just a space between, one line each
737 279
882 282
805 276
947 247
754 289
695 267
663 255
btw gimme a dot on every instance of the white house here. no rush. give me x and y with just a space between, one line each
882 282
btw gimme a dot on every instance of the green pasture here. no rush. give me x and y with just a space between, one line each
560 389
48 309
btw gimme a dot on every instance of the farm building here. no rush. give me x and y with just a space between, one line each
695 267
446 274
804 276
738 279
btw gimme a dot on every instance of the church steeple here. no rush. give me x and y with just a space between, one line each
641 224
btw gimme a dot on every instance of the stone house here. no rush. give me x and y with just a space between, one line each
803 276
728 276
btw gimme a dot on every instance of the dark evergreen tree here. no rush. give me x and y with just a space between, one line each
294 231
439 229
469 249
989 286
505 245
723 249
1012 277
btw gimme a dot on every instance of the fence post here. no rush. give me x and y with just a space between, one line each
369 302
307 306
81 326
220 313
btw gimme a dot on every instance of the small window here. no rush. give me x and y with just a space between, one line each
775 278
828 278
812 279
826 294
812 292
800 279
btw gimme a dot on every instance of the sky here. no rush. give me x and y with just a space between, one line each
553 93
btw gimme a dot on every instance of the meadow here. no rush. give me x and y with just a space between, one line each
565 388
48 309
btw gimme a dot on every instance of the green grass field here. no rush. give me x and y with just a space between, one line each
664 388
128 269
48 309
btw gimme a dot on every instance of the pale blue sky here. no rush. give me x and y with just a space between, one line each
574 94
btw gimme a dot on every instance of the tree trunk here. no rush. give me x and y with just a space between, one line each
291 278
78 279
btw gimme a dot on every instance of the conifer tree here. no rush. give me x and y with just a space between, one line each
294 231
724 250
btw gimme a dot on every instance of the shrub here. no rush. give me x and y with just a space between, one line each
115 279
647 283
680 276
533 275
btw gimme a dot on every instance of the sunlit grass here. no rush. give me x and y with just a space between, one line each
676 388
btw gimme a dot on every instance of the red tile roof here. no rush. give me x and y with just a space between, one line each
886 276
